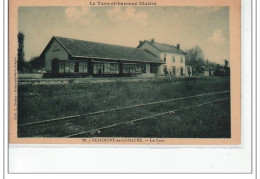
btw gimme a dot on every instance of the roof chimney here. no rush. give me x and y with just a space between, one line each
152 40
178 46
140 42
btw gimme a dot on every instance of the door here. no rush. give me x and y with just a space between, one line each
165 70
174 71
76 67
182 71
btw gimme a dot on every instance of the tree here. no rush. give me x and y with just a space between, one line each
20 54
195 58
226 63
195 53
226 68
36 63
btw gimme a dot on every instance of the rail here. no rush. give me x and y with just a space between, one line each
116 109
143 118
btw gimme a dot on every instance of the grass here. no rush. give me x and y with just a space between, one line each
202 122
207 121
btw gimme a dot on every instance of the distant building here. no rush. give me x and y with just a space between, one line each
173 57
211 72
202 71
205 71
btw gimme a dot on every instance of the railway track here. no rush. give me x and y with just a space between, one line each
69 119
143 118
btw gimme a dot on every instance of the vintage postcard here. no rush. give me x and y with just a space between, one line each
125 72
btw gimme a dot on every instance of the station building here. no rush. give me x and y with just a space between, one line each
64 56
173 56
72 57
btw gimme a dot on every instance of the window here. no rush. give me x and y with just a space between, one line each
98 68
126 69
138 69
61 67
164 57
173 58
131 68
55 50
143 68
106 68
181 59
72 67
114 69
67 67
83 67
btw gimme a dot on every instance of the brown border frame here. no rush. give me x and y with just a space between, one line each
235 63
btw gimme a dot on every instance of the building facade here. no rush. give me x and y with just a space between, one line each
71 57
173 57
68 57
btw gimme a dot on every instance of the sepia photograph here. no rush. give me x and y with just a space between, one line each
123 72
119 86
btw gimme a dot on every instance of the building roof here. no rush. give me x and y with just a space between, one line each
86 49
164 47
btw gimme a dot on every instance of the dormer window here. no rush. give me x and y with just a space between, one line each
164 57
173 58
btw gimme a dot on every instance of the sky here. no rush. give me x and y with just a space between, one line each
207 27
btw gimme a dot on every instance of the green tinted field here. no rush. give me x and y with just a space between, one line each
42 102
